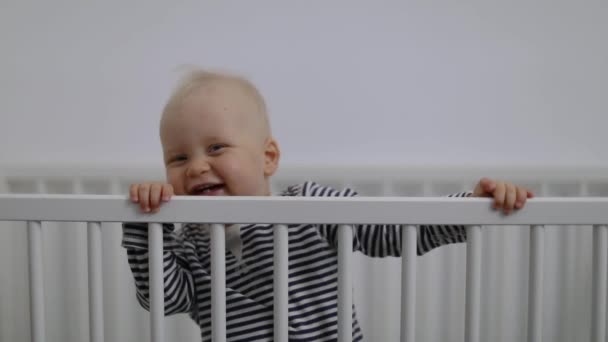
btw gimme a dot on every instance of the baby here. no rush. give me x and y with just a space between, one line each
217 141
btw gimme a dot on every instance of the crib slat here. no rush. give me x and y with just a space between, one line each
600 273
218 283
345 292
408 284
96 325
157 290
36 281
535 290
281 282
473 284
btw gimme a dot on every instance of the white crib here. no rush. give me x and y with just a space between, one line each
482 319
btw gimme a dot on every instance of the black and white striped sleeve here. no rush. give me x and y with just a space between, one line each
385 240
178 282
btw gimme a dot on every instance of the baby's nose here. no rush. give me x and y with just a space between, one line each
198 166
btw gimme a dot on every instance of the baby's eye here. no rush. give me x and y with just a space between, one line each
178 158
216 148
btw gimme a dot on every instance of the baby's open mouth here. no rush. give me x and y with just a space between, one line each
208 190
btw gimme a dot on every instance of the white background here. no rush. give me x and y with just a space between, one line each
378 82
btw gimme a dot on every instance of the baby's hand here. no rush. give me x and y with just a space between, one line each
506 195
150 195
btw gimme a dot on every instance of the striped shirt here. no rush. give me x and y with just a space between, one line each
313 271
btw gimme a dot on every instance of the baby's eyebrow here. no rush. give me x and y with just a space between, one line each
172 149
213 139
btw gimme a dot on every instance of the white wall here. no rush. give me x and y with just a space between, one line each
400 83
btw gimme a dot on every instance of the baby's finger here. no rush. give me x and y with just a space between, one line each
487 185
167 192
144 197
155 192
510 197
499 195
133 193
522 195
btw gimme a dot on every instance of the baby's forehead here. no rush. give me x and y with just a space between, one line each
218 95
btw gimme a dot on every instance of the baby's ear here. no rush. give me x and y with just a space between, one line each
272 155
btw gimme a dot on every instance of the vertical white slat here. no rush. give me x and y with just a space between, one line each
408 283
156 281
36 281
583 189
473 249
96 325
10 298
281 283
345 289
535 289
218 283
600 273
387 188
94 273
473 285
123 320
37 307
428 283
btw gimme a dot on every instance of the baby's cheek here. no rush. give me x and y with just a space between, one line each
176 182
244 175
179 191
239 172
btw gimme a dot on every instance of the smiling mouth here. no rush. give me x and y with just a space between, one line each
207 190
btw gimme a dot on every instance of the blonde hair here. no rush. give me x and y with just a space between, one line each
195 78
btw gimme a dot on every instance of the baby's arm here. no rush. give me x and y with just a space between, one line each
385 240
178 284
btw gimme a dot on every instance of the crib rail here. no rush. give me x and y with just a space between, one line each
294 210
93 209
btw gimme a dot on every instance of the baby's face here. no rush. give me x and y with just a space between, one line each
211 146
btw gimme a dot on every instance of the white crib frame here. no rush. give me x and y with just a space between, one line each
412 211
